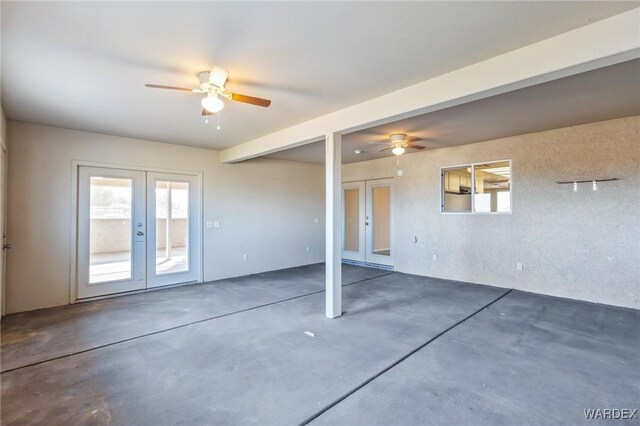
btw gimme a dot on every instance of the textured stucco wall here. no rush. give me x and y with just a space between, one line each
583 245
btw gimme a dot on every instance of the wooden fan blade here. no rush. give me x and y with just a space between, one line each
205 112
158 86
414 146
389 147
413 140
249 100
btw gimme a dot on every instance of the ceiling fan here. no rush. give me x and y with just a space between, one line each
399 143
212 83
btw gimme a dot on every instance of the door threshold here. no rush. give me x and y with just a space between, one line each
368 264
129 293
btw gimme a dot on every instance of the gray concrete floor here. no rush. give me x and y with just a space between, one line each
409 350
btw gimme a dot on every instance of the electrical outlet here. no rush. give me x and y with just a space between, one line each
245 257
216 224
209 224
308 249
519 266
316 220
434 257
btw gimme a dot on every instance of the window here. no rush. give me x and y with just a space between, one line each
477 188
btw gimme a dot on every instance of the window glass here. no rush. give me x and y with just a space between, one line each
456 194
488 183
493 187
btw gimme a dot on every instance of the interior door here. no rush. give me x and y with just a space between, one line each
111 231
378 222
353 227
173 216
3 226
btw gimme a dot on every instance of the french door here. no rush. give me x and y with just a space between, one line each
366 221
136 230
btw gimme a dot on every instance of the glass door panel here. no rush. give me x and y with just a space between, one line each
353 228
175 234
110 230
379 222
172 226
351 220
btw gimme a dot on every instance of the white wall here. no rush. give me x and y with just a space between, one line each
266 208
583 245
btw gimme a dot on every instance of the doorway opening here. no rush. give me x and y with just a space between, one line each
367 223
136 230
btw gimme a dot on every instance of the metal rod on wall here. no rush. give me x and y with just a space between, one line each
585 181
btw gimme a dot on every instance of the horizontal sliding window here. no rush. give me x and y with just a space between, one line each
477 188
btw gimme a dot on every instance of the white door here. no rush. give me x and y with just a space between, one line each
378 222
353 228
173 218
111 231
366 221
136 230
3 226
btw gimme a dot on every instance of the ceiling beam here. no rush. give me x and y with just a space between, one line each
606 42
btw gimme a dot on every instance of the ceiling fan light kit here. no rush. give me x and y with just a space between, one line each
398 150
212 103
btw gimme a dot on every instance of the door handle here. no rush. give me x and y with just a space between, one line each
139 233
6 247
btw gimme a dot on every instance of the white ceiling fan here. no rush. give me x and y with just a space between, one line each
212 83
399 143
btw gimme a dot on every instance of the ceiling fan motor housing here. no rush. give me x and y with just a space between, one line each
204 80
399 139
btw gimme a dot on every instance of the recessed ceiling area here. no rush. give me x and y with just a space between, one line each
83 65
598 95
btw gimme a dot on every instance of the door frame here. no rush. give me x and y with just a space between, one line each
4 189
73 234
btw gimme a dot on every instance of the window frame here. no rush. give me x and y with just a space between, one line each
473 186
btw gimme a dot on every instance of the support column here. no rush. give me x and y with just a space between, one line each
333 238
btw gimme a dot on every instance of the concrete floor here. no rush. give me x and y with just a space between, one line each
409 350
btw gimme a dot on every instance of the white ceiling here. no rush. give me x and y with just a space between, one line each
602 94
83 65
